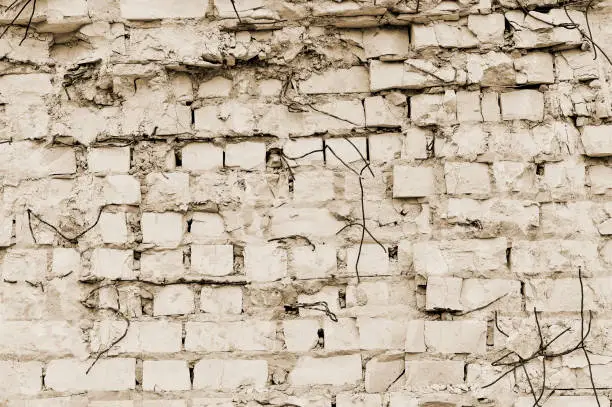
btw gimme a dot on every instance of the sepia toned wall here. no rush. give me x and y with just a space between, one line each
319 203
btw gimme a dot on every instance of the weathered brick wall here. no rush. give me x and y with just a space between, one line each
175 184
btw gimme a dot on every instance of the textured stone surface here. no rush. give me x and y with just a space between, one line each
303 203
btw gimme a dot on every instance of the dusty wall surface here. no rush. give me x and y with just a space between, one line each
184 195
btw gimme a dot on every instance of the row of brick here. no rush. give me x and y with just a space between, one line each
316 333
270 262
68 375
341 116
522 218
570 179
236 118
485 142
148 112
298 335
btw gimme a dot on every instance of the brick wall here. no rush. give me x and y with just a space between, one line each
184 195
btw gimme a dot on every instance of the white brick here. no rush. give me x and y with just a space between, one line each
412 182
415 143
535 67
575 64
158 336
221 300
113 264
382 371
163 229
165 375
597 140
109 160
279 121
467 141
569 219
440 109
443 293
415 336
212 260
564 179
335 370
248 155
373 297
160 9
306 263
352 80
468 106
489 106
162 266
514 177
20 377
299 147
168 189
174 300
423 36
460 256
228 118
538 38
343 149
69 375
65 261
24 265
207 227
122 189
456 336
265 263
301 335
414 74
251 335
549 256
467 178
380 333
384 148
22 338
600 179
381 112
490 69
217 374
384 41
202 157
373 261
33 160
499 293
489 28
525 104
215 87
113 227
341 335
312 222
424 373
454 36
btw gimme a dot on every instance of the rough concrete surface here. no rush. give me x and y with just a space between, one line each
368 203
